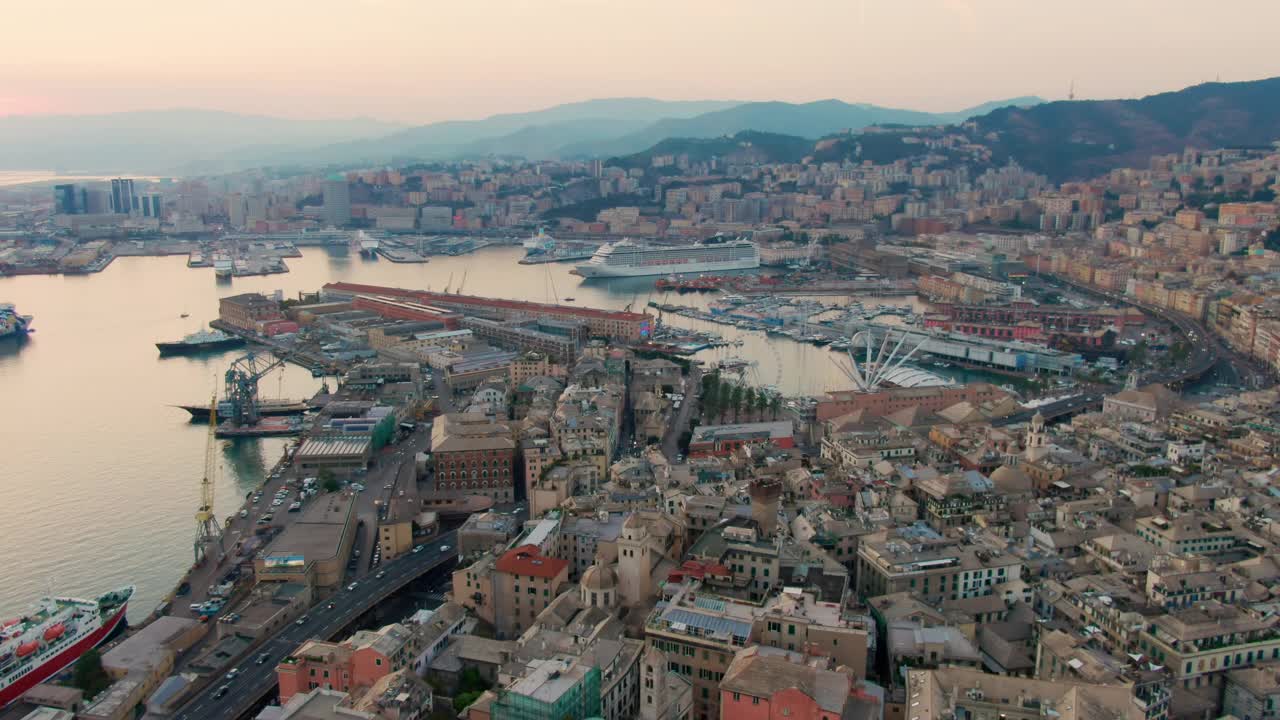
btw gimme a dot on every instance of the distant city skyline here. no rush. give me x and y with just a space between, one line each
416 62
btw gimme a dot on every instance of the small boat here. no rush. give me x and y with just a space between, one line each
568 299
185 315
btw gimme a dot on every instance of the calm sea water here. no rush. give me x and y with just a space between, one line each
10 178
99 474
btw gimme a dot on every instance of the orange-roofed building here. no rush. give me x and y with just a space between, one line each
355 663
522 583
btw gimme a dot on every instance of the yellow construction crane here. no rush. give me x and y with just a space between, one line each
208 531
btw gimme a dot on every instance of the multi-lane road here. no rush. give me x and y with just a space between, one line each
1203 355
256 680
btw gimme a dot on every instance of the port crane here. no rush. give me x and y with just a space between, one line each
240 387
208 531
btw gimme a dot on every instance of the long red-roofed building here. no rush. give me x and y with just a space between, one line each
614 324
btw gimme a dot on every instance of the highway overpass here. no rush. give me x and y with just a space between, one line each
256 681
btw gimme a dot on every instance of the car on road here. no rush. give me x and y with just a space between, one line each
381 574
420 548
244 512
232 673
331 606
445 548
352 586
221 691
388 486
302 620
262 658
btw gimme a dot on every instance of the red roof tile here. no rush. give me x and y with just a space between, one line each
428 297
528 560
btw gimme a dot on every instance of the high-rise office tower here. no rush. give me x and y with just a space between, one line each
123 198
337 200
152 204
69 199
236 210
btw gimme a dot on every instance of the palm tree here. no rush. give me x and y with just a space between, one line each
762 402
711 399
775 403
735 399
749 398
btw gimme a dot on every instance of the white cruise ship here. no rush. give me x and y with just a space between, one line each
629 259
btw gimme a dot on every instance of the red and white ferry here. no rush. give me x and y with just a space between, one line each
57 631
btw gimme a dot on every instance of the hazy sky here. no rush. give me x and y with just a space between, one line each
423 60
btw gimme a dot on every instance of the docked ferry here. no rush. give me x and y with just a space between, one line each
630 259
52 636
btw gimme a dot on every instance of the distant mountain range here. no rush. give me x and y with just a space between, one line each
1085 138
810 120
605 128
195 141
1061 139
749 145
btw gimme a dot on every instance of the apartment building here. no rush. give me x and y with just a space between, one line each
933 570
474 455
357 662
1190 533
1201 645
700 636
764 683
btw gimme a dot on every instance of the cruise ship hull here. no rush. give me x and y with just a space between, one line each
63 660
185 348
592 270
266 408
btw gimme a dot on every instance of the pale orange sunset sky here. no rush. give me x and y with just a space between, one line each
418 61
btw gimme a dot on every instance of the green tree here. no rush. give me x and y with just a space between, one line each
1138 354
722 394
762 403
775 404
471 681
735 401
710 397
89 675
328 482
749 398
462 700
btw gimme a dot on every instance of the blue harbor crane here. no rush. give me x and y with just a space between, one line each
240 388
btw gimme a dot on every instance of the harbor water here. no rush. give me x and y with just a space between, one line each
101 472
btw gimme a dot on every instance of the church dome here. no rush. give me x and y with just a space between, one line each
1010 479
599 578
